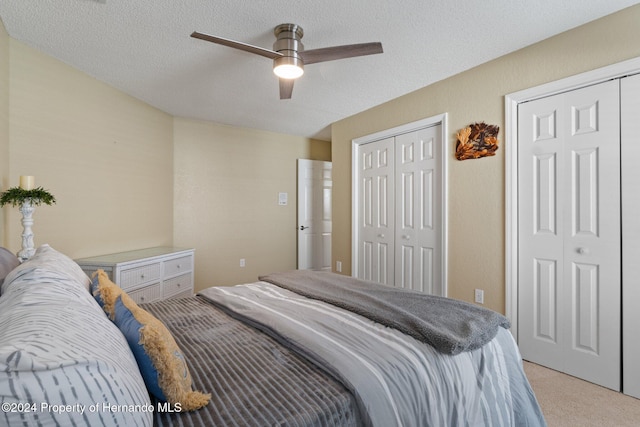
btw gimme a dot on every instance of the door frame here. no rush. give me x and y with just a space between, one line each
618 70
440 119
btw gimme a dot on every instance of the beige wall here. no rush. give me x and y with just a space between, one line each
106 157
476 187
227 181
4 120
109 159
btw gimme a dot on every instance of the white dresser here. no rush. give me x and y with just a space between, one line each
147 275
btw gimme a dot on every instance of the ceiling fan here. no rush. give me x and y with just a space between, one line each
289 56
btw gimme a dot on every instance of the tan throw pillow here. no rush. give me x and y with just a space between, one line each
160 360
105 292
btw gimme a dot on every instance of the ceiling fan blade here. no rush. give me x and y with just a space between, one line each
286 88
237 45
340 52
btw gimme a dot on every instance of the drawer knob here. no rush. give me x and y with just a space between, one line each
179 266
142 298
142 276
179 284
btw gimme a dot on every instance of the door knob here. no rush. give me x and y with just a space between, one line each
302 227
381 236
406 237
583 251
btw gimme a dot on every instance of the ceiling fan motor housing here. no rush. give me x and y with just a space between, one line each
288 44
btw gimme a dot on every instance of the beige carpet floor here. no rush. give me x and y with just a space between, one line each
571 402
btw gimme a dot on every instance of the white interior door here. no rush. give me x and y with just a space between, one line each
314 215
418 222
569 277
376 220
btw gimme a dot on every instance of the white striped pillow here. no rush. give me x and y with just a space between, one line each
48 265
58 347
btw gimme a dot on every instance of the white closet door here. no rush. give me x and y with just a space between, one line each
630 115
569 233
418 222
376 224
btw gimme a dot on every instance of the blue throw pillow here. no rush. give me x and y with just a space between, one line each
94 289
130 328
160 360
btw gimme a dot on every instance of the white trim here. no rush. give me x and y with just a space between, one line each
440 119
631 66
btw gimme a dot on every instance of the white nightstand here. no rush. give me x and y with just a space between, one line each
147 275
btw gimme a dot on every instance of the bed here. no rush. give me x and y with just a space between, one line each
286 350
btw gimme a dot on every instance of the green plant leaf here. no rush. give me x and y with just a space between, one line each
16 196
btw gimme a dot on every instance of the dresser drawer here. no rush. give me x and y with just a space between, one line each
174 267
147 294
177 285
132 277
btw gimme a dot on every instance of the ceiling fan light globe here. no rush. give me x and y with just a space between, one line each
289 66
288 71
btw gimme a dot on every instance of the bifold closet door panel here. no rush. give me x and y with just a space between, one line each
418 212
630 155
377 214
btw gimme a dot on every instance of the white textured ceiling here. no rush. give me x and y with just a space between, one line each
143 48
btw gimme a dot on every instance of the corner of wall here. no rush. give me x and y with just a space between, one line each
4 121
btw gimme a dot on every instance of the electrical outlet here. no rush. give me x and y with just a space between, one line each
339 266
479 296
242 262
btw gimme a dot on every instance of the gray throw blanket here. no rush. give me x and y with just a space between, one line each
450 326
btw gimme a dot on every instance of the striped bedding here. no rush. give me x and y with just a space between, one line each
397 380
254 381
